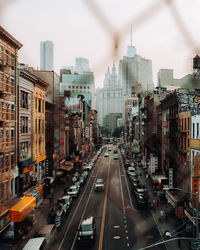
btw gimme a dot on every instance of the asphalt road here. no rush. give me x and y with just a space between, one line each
119 224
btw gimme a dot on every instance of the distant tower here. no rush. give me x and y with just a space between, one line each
46 56
82 65
131 51
196 67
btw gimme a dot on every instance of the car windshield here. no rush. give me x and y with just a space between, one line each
86 227
99 182
72 189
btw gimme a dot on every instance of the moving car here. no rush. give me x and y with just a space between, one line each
106 154
99 185
87 231
115 157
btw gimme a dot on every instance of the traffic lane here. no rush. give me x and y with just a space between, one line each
65 238
141 227
95 204
115 228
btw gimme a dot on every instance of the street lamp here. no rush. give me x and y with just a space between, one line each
197 210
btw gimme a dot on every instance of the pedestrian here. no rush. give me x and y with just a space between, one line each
155 204
50 200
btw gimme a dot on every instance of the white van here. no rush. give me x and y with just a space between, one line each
38 243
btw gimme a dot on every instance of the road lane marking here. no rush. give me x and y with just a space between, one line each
120 181
104 211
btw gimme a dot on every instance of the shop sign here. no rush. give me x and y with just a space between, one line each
195 185
40 158
195 144
25 170
86 132
196 166
170 199
170 177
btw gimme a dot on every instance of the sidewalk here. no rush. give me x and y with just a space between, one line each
165 223
42 211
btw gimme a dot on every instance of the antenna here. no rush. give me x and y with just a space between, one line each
131 34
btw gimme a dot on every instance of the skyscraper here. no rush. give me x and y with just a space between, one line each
82 65
46 56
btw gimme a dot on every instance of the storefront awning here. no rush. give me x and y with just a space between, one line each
22 209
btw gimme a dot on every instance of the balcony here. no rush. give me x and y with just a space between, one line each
7 115
6 60
6 85
6 145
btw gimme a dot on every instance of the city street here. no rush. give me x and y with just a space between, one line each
119 224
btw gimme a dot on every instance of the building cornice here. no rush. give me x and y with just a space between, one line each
9 38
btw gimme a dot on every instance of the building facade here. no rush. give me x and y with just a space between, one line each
79 85
9 174
25 128
109 98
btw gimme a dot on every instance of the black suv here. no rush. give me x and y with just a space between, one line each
86 231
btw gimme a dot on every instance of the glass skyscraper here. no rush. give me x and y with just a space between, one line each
46 56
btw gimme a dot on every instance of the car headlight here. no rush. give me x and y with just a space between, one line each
79 238
92 236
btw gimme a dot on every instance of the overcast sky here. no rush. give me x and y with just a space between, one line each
167 36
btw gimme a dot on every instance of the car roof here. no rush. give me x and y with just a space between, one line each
100 180
74 186
66 197
87 221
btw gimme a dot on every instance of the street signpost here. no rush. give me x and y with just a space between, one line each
196 244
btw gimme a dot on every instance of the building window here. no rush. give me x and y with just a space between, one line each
188 123
24 124
69 86
24 99
36 104
81 87
36 126
88 87
39 127
197 130
73 87
24 149
12 159
185 124
77 87
12 133
193 130
84 87
39 106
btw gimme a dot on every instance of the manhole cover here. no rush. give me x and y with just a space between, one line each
116 226
117 237
149 237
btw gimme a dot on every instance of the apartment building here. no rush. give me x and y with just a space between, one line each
39 129
9 47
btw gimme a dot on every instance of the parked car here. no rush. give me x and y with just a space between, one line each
82 180
84 174
68 200
99 185
87 168
73 191
87 231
